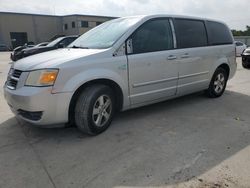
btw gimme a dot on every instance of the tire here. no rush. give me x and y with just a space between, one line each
218 83
94 109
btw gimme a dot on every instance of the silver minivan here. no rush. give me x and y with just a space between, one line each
122 64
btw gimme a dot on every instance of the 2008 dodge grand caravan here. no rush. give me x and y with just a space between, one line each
119 65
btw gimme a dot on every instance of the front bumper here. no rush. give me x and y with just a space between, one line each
246 59
38 106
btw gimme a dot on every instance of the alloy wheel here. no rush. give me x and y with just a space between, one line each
102 110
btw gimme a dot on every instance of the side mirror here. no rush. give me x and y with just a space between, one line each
60 45
129 46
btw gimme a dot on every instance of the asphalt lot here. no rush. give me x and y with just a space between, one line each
192 141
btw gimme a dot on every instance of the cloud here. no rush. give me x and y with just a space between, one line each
231 11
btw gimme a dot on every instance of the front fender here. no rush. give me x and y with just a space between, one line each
76 81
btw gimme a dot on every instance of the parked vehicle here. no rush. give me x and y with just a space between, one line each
42 44
30 44
246 58
17 52
119 65
60 42
240 47
3 48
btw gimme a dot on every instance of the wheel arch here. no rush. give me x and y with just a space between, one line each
221 63
119 96
226 67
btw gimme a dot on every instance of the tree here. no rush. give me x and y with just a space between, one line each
242 33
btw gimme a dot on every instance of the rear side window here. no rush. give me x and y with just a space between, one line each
190 33
218 33
152 36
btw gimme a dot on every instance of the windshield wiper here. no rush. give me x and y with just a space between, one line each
81 47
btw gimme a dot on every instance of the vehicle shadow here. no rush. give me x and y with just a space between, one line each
157 145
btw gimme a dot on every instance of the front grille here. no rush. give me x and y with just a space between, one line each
13 78
34 116
246 58
17 73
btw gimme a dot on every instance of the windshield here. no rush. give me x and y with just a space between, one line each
105 35
54 42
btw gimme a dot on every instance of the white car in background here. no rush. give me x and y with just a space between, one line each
240 47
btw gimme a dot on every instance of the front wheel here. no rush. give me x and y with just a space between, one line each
218 83
94 109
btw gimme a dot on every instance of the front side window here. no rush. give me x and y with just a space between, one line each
190 33
152 36
219 34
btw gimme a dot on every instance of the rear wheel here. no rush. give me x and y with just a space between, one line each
218 83
94 109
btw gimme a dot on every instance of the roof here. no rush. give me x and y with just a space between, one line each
152 16
48 15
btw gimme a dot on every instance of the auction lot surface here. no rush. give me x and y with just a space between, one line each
192 141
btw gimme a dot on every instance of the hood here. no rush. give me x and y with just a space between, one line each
246 51
53 59
38 48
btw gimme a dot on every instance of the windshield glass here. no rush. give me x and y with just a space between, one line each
105 35
54 42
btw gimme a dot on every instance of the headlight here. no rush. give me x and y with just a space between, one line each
46 77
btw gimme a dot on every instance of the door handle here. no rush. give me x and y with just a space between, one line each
185 56
171 57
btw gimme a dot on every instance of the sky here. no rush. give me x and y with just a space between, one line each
234 13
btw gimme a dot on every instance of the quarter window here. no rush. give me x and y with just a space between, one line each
152 36
219 34
190 33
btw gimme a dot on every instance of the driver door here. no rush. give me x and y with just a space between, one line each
152 62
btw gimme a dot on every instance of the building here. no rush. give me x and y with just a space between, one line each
19 28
